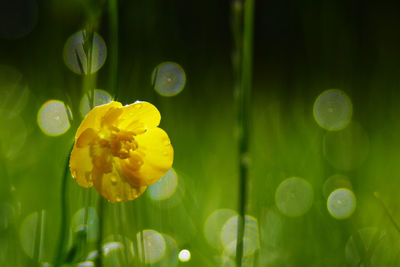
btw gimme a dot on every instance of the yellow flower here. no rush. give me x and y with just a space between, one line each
120 150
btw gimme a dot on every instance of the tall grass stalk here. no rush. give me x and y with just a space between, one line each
113 80
100 210
64 209
243 68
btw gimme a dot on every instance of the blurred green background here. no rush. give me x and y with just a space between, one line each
301 48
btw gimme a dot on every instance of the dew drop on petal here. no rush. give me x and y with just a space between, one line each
333 110
53 118
168 79
113 180
294 197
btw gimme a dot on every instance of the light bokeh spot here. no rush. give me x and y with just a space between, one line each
294 197
171 252
214 224
14 93
113 254
85 264
14 138
333 110
101 97
184 255
31 235
53 118
165 187
250 239
154 246
75 56
334 182
347 149
341 203
118 251
81 217
168 79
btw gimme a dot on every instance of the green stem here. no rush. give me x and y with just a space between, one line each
244 107
64 208
113 51
100 208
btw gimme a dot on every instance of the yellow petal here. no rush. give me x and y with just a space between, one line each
156 154
114 187
94 118
81 166
139 115
86 138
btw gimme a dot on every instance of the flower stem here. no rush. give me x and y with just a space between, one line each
64 208
244 43
100 209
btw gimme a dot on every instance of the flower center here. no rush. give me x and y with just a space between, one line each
108 144
122 143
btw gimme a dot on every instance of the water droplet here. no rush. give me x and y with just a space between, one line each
113 180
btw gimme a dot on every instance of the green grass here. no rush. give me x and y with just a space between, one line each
299 51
